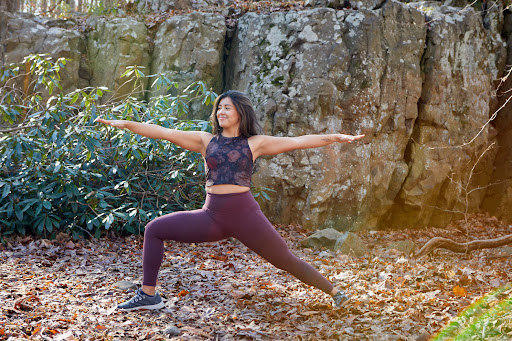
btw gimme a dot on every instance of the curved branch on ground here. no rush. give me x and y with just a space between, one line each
445 243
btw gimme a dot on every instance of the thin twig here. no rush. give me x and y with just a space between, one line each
20 128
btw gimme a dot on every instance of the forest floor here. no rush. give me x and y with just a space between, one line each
65 290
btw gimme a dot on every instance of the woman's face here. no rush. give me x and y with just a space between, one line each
227 115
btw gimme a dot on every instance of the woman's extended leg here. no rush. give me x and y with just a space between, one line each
258 234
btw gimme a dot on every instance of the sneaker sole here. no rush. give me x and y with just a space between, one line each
147 307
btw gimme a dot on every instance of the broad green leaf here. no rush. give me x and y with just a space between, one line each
47 204
6 190
18 212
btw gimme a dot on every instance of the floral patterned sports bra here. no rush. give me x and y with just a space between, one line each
228 161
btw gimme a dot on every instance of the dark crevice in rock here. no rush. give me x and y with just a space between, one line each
84 66
412 124
231 28
379 6
3 36
150 38
485 19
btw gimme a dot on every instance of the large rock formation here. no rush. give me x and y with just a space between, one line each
461 61
327 71
10 6
25 34
189 48
416 78
498 199
113 45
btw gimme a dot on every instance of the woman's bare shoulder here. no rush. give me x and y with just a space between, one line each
257 138
206 137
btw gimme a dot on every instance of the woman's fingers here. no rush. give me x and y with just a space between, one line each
351 138
101 120
112 123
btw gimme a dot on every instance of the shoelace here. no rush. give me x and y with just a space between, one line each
137 298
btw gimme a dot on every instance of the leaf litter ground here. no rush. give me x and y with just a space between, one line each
65 290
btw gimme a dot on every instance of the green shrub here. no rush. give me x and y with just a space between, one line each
60 171
489 318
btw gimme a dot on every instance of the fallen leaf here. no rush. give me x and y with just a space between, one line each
38 330
237 294
24 302
69 245
221 258
350 319
459 291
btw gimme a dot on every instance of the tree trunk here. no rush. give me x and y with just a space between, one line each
44 6
53 7
10 5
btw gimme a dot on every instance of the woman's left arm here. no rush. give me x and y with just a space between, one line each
272 145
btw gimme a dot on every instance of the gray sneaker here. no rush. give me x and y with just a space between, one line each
142 300
339 299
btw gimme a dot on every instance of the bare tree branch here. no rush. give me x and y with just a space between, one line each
19 128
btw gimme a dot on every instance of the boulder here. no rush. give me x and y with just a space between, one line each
113 45
420 92
125 285
367 72
189 48
172 331
350 244
324 71
461 59
10 6
507 250
498 197
23 34
405 246
326 237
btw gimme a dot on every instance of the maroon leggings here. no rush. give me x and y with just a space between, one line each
235 215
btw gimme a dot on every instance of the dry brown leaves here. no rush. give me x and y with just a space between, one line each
64 290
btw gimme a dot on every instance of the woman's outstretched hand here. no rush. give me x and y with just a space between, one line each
113 123
347 138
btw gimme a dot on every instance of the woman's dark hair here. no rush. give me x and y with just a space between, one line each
249 125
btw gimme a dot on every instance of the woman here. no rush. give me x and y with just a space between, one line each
230 210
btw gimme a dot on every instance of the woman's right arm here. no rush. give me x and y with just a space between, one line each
195 141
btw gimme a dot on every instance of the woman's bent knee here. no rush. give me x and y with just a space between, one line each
152 229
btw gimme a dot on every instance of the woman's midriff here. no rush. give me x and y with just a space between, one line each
226 189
